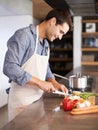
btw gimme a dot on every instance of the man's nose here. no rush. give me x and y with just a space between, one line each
60 37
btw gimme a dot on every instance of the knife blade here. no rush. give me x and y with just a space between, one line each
60 93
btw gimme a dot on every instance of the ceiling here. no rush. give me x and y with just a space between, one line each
84 7
77 7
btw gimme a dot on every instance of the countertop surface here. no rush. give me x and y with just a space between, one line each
42 115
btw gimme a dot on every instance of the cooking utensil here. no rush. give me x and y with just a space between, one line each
85 110
76 82
60 93
61 76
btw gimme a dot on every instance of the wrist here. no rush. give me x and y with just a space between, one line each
34 81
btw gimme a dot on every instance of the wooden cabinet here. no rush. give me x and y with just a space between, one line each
61 55
89 42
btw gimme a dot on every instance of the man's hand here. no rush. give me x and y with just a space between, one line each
58 86
46 86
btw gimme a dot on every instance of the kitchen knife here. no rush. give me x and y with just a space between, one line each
60 93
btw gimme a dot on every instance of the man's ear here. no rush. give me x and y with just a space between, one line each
53 21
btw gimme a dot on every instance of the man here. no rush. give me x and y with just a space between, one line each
26 61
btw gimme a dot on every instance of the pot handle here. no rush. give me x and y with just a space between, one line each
61 76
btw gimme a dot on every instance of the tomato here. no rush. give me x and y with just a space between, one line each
67 104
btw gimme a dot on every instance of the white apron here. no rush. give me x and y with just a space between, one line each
21 96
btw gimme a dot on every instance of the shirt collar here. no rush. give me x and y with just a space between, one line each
33 29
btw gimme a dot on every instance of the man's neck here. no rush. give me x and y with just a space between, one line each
42 31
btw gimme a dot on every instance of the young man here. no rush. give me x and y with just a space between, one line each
26 61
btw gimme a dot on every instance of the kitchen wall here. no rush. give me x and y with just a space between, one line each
15 7
13 15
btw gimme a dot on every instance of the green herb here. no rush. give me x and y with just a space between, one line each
86 95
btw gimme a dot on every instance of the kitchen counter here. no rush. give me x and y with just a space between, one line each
42 115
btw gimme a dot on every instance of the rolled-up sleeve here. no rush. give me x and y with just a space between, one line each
17 46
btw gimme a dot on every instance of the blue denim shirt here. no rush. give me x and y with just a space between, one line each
21 47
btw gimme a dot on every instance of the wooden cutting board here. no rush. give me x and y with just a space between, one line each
85 110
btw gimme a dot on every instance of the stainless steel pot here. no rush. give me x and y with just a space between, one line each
76 82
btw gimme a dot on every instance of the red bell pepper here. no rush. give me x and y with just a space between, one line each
68 104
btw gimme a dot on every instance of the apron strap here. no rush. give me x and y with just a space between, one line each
37 33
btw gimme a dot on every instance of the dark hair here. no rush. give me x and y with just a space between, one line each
61 16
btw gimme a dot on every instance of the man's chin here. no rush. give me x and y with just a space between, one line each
53 39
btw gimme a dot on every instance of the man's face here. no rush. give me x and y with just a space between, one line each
56 31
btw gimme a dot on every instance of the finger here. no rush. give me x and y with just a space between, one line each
64 89
52 89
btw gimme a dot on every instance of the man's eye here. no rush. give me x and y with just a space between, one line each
61 32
